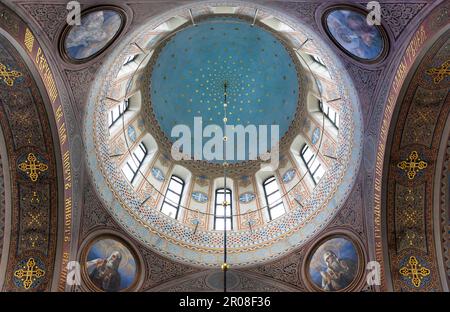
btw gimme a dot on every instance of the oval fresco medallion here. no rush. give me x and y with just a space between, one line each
99 27
110 265
348 28
334 264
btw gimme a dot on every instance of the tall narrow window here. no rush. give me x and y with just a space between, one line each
172 200
314 167
134 162
116 112
219 212
330 113
273 198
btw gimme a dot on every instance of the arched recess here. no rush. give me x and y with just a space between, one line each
37 129
31 151
413 263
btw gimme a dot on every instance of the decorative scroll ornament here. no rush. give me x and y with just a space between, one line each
8 76
413 166
33 167
415 271
439 73
29 273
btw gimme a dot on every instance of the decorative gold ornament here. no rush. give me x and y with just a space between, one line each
8 76
29 273
29 40
415 271
413 166
32 167
225 267
439 73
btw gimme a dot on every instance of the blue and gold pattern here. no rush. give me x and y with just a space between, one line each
9 75
190 70
32 167
413 166
414 272
28 273
440 73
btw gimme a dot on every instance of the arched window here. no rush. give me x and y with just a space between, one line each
219 211
134 162
273 198
117 112
172 200
330 113
313 165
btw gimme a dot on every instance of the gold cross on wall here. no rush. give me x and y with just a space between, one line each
29 273
32 167
439 73
8 76
413 166
415 271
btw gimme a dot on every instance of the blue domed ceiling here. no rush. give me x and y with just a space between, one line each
191 67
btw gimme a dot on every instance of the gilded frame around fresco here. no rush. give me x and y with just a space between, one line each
349 236
83 259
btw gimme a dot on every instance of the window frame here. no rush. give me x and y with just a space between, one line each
180 181
274 205
334 121
308 164
140 161
224 191
122 107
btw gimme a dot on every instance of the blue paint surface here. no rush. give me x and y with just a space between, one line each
190 70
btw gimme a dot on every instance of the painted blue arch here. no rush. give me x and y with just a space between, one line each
189 72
